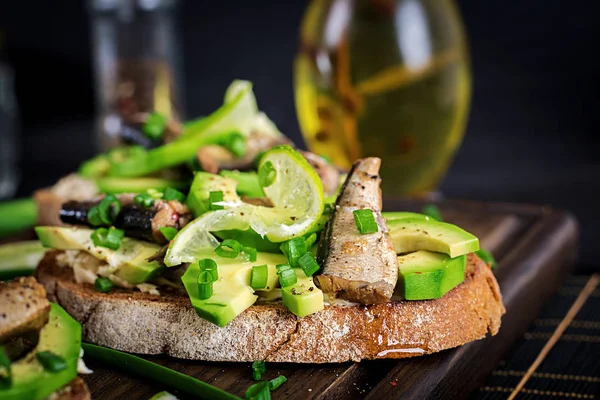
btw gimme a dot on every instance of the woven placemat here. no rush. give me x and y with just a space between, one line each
559 356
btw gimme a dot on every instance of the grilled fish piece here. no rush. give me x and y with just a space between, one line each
356 267
138 222
24 308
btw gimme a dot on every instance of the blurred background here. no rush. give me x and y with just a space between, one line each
530 133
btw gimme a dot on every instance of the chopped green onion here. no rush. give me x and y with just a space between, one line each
155 125
143 200
275 383
433 211
258 369
229 248
308 264
109 209
258 277
156 373
210 266
287 276
328 208
5 371
109 238
94 217
168 232
258 391
487 257
310 240
174 194
51 362
294 249
155 194
205 285
236 144
215 197
267 174
249 253
365 221
103 284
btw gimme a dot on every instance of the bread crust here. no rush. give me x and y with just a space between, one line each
148 324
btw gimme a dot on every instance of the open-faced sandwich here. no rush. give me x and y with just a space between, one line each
264 252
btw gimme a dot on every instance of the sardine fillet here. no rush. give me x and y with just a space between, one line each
361 268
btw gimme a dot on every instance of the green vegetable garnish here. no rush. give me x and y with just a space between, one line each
173 194
249 253
155 125
287 276
308 264
17 215
276 382
294 249
168 232
215 197
103 285
258 369
50 361
156 373
365 221
143 200
433 211
259 391
105 212
267 174
5 372
236 143
310 240
258 277
209 265
205 284
229 248
109 238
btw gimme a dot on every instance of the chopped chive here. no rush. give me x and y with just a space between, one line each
93 217
258 391
294 249
287 276
210 266
155 194
308 264
258 277
51 362
109 208
155 125
109 238
229 248
310 240
205 285
5 371
103 285
433 211
250 253
258 369
236 144
168 232
275 383
143 200
267 174
215 197
365 221
174 194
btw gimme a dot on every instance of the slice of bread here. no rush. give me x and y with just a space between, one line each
149 324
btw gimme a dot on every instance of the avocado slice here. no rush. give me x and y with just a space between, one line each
425 275
303 297
62 336
232 293
393 215
137 185
131 258
203 184
412 234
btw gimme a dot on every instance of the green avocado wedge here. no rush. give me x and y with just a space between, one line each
130 260
412 234
30 381
425 275
394 215
303 297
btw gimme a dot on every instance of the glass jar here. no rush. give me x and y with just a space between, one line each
386 78
137 64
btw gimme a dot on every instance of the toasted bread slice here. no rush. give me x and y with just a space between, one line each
149 324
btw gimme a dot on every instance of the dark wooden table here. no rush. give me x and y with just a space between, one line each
535 246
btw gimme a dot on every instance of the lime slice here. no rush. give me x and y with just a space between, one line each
297 196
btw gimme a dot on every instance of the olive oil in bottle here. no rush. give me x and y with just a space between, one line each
386 78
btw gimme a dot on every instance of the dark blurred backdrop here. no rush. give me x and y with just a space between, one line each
533 117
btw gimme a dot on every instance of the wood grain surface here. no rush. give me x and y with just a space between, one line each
536 246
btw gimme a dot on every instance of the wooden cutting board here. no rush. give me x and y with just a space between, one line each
535 246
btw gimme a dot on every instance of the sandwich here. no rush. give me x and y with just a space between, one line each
261 252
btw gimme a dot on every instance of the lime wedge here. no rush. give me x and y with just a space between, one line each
297 196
